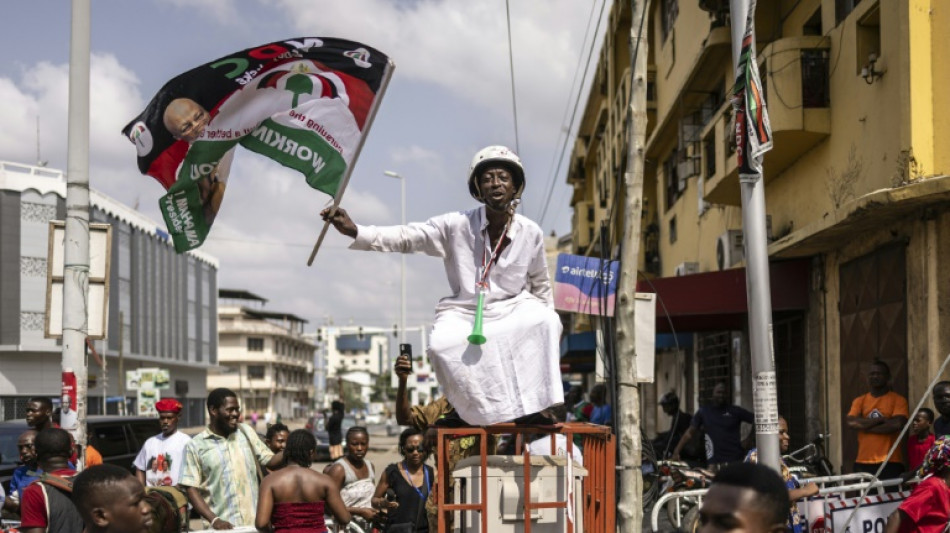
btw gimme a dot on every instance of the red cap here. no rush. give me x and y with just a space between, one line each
168 405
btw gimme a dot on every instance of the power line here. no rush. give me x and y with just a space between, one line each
570 127
511 67
567 104
612 211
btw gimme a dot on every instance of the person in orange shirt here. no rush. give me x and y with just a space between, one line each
93 457
878 417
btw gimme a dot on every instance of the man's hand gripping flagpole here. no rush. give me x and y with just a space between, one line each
387 75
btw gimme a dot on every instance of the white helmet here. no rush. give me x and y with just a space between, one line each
499 154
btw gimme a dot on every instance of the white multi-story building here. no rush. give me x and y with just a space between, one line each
167 301
267 359
351 349
360 354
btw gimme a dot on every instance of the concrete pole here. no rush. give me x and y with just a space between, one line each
755 240
76 252
629 500
122 362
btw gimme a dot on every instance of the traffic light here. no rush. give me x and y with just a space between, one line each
319 334
359 333
395 330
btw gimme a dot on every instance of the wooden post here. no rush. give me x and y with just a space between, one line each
629 502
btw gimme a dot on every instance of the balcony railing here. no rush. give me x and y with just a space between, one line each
795 77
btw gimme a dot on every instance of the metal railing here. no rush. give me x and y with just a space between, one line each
827 485
351 528
597 492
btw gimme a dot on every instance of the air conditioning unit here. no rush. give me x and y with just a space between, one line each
686 268
729 249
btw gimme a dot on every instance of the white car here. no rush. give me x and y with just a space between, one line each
373 419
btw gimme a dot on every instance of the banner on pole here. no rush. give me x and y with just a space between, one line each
302 102
586 285
753 130
68 417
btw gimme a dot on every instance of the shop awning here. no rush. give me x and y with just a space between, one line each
717 300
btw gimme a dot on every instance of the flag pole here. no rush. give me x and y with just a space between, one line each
387 75
765 397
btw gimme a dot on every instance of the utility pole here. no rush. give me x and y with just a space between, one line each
76 243
752 185
121 362
629 502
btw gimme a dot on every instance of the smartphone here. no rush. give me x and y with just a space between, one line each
406 349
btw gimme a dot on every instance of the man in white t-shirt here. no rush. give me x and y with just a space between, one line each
160 460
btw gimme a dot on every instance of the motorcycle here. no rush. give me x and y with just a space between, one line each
810 460
678 476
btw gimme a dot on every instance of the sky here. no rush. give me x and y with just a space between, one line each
450 95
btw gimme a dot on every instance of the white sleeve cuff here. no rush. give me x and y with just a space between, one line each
365 236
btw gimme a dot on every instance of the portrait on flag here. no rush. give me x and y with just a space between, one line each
303 102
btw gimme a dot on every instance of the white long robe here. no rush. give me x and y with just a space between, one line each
516 372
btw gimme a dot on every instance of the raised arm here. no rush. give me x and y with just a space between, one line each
403 368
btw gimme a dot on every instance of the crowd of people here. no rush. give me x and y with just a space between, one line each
745 498
495 265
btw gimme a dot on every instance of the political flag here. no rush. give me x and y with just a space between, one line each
305 102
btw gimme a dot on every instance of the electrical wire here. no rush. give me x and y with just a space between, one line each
570 127
511 67
567 104
612 211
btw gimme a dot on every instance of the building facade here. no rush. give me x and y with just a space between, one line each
161 304
265 357
856 188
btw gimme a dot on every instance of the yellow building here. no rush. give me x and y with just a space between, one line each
856 191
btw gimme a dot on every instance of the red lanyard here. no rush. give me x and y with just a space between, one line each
488 262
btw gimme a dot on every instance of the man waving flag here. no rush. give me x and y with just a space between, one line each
305 102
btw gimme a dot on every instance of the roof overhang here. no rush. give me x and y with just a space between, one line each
873 211
716 301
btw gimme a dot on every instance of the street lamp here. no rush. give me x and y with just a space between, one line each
402 311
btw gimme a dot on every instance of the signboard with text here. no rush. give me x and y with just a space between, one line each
148 382
871 516
585 285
